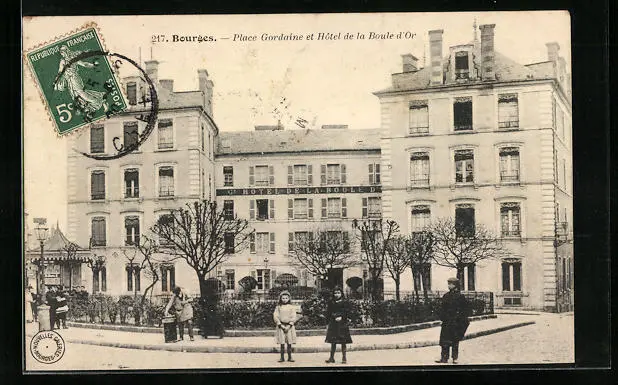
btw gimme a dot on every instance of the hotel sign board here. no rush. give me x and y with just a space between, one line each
298 190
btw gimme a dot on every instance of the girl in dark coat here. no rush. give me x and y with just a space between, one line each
454 312
338 332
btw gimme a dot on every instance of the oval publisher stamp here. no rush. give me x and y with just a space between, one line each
47 347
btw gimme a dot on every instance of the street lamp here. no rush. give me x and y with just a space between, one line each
43 309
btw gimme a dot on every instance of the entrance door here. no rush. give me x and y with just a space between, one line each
335 277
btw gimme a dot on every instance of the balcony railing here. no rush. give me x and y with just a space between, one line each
514 123
166 191
419 130
509 176
422 182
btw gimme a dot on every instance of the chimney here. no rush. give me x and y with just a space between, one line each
152 70
552 51
435 50
410 62
168 84
206 87
487 52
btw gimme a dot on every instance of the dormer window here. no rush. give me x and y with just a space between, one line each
462 69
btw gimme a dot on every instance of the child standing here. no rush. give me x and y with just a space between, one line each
285 316
338 331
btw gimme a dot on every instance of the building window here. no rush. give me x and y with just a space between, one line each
262 243
464 220
97 185
421 216
300 237
418 118
166 181
462 114
131 135
228 209
168 277
263 279
230 279
419 169
131 226
99 280
97 139
421 275
510 216
508 111
265 209
133 277
374 173
228 176
372 207
261 175
132 93
229 243
98 231
509 164
334 208
462 70
333 174
301 208
466 273
166 221
166 134
464 166
511 276
300 175
336 239
131 183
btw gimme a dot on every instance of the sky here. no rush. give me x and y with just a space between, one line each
321 81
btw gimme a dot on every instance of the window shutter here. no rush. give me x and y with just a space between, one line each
309 174
272 243
506 279
517 276
377 173
324 202
344 208
364 207
310 207
252 243
163 278
252 209
371 180
103 279
272 209
290 242
290 208
471 276
129 278
251 176
290 175
172 277
271 175
323 174
343 174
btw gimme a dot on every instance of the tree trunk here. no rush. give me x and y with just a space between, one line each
203 285
397 289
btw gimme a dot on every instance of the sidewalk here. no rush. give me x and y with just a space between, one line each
309 344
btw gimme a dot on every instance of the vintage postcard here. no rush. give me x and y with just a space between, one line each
317 191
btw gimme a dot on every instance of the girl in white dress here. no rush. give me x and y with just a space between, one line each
285 316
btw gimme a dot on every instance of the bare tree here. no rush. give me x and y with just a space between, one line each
69 251
374 236
322 249
458 245
397 259
421 248
203 236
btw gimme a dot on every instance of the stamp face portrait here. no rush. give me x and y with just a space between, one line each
47 347
75 80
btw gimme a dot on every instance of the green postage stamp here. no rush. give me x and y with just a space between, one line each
75 79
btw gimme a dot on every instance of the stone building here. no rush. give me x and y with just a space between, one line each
480 138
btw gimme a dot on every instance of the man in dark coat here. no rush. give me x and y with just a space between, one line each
454 312
50 296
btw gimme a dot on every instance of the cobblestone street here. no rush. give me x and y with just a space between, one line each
550 340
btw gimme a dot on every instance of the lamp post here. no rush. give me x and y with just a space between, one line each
43 308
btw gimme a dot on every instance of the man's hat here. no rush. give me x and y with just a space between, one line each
453 280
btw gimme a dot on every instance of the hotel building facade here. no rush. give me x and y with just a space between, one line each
474 136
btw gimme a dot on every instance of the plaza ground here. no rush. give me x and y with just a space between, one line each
549 340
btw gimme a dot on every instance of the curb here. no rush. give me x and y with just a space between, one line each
269 332
273 349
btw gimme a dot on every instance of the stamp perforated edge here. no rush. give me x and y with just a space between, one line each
90 24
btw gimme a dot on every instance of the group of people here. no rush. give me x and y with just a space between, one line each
57 299
454 312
